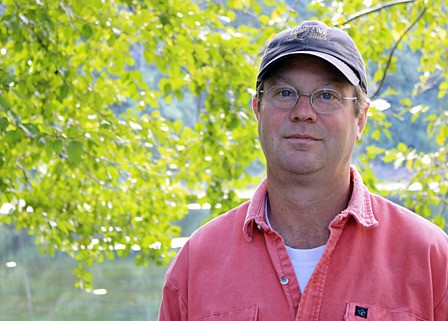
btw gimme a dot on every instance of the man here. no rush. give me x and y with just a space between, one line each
313 243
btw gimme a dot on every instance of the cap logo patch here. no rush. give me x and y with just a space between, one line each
306 32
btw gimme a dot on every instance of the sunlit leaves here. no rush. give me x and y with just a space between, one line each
378 124
96 183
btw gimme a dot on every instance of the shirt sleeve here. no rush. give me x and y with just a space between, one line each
441 312
173 307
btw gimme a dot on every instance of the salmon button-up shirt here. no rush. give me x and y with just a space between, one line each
381 262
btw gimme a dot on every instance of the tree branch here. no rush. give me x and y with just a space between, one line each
25 175
371 10
395 48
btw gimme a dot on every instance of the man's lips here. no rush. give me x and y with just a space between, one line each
303 137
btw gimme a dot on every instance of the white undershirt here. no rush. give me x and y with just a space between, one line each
303 261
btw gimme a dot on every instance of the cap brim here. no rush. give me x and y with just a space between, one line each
341 66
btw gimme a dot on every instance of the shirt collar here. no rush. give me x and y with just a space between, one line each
359 207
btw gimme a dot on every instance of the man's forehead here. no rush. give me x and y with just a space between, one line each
286 68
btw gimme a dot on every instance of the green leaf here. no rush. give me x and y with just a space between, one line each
86 31
6 79
63 91
48 148
376 134
66 227
57 146
4 103
74 152
439 220
441 138
3 123
14 136
402 148
406 102
389 157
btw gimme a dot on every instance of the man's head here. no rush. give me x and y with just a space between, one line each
311 101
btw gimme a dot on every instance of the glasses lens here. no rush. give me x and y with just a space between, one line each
282 97
326 100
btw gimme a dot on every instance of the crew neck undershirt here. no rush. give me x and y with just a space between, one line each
304 261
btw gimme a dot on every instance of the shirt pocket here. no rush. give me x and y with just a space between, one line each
243 314
367 312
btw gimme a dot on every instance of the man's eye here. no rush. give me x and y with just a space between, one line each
285 92
327 96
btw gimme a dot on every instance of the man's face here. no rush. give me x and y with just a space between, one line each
298 140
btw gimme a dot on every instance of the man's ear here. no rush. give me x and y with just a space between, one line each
362 119
255 107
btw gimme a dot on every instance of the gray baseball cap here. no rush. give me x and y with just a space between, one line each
317 39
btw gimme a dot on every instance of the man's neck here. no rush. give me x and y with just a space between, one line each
301 210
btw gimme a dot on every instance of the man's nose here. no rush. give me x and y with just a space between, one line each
303 110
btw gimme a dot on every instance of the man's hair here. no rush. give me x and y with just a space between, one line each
360 103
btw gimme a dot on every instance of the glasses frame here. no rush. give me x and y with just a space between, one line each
311 97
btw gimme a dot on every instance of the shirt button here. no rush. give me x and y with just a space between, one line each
284 280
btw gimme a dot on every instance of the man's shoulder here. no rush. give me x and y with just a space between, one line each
223 224
209 241
411 225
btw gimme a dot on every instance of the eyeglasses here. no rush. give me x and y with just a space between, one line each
323 101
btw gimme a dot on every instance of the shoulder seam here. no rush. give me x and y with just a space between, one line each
168 279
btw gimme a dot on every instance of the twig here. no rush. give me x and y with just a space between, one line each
371 10
24 173
395 46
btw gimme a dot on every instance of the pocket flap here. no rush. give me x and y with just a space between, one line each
368 312
243 314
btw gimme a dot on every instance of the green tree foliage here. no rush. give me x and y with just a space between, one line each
93 184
